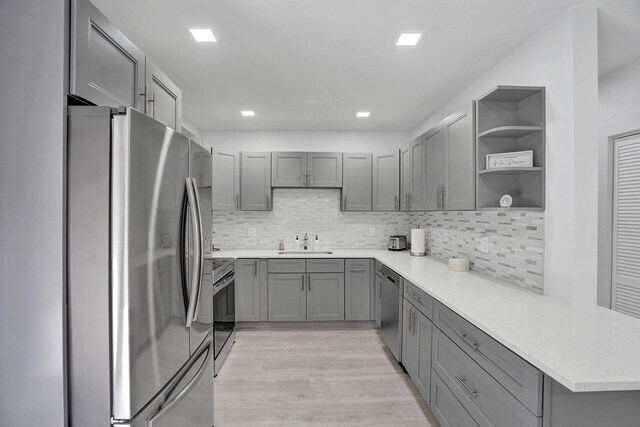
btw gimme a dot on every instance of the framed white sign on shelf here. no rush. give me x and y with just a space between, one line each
517 159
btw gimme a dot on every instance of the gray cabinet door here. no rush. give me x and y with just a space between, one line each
422 379
325 296
417 177
460 176
357 292
435 155
255 181
247 290
106 68
288 169
324 170
378 299
226 180
406 189
287 297
164 99
356 188
386 181
410 340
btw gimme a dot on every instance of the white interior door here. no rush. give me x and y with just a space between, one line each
626 226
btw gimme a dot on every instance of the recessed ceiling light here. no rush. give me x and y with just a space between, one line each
363 114
408 39
202 34
248 113
310 101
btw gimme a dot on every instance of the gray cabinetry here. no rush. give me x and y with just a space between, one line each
357 289
164 99
386 181
435 157
255 181
356 184
417 175
405 178
447 408
325 296
247 290
106 68
458 133
416 348
296 169
287 297
226 180
377 289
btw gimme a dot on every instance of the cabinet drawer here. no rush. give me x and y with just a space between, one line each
479 392
447 409
325 266
286 266
515 374
416 296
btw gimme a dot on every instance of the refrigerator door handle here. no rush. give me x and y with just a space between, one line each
197 243
173 402
201 255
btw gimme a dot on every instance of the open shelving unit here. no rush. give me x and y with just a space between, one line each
508 119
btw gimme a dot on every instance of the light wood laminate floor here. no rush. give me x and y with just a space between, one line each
315 378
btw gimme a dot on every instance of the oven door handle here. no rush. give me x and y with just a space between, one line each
217 288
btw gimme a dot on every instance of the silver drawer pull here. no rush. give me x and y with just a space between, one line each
415 296
466 387
468 342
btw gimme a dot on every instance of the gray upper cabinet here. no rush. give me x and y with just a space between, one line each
357 299
287 297
356 189
106 68
405 178
255 181
435 156
164 99
325 296
417 178
324 170
295 169
247 290
226 180
288 169
386 181
460 184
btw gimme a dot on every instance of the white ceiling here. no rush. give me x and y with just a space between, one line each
271 55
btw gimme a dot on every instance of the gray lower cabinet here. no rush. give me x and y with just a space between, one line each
247 290
378 299
287 297
164 99
106 68
226 180
325 296
416 348
446 407
435 161
386 181
460 183
357 293
356 182
255 181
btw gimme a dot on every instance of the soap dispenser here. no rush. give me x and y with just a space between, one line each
297 243
316 244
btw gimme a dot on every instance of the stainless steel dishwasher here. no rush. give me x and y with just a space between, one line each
391 311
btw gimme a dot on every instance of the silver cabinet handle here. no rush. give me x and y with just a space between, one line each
395 201
466 387
466 340
410 321
357 270
415 322
444 197
303 282
417 297
237 201
151 110
255 268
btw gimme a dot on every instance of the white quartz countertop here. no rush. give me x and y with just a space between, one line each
582 348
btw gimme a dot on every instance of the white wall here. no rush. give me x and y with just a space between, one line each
562 57
346 141
33 62
619 112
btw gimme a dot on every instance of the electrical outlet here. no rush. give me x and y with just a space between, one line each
252 231
372 231
482 244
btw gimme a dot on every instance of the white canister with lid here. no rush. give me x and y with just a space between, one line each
458 264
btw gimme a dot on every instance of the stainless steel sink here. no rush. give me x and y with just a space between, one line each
308 252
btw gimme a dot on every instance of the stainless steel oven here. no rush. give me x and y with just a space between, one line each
224 309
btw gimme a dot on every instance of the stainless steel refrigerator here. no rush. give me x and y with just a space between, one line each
139 329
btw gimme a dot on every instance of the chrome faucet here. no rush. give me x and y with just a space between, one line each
306 241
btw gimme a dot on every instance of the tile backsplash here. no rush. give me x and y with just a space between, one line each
516 242
312 211
515 238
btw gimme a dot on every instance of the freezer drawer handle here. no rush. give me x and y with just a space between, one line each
173 402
